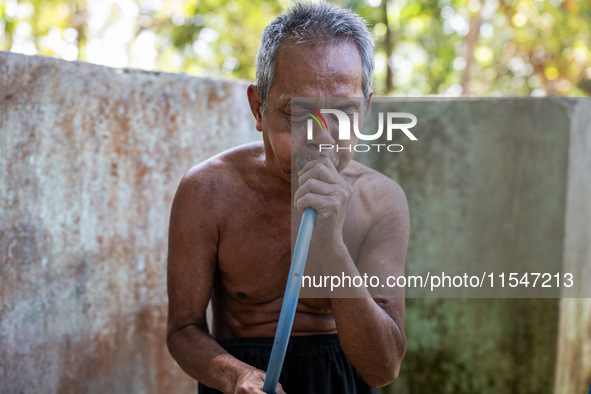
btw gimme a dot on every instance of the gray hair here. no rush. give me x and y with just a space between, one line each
304 22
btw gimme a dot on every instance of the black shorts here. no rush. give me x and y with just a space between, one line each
313 364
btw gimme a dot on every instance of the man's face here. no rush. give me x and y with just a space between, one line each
318 72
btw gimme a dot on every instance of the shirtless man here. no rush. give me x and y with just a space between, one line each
231 224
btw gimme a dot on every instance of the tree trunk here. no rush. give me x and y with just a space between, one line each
389 47
471 39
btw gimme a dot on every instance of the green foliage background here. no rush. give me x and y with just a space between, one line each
474 47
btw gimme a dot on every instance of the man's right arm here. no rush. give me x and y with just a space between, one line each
192 256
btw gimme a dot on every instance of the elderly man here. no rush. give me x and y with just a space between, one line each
231 224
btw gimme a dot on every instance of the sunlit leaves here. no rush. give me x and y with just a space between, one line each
522 47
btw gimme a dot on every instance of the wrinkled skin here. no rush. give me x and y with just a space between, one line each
231 225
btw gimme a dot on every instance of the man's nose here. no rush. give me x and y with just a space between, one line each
322 135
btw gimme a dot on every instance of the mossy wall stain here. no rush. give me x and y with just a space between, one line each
486 186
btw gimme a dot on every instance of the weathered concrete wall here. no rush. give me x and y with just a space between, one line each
501 184
89 161
573 363
90 158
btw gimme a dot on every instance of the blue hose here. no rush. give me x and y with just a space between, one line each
290 300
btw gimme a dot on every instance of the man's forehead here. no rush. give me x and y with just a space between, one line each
303 70
349 103
330 53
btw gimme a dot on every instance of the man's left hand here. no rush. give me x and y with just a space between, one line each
324 189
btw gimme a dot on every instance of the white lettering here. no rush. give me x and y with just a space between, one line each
372 136
402 126
390 150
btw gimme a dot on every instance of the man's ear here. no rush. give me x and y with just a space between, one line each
368 101
256 106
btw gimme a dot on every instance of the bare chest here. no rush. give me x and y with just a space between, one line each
254 252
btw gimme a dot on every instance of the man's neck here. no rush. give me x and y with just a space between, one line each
275 182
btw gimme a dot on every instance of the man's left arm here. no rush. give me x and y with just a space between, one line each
370 329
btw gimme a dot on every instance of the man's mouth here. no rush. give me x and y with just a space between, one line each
302 160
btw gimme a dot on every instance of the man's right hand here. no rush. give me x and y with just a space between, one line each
251 382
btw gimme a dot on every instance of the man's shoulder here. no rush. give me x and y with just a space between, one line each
374 189
228 164
221 173
363 177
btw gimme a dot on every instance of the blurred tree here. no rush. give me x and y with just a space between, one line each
453 47
215 38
